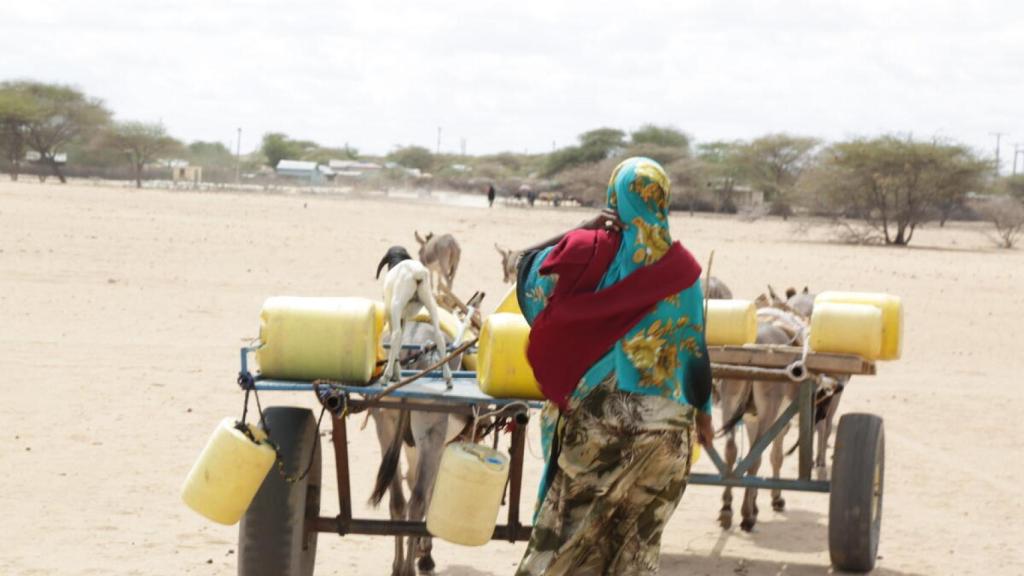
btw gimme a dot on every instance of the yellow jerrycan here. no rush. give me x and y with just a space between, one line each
730 323
892 316
467 494
228 473
312 338
847 329
509 303
502 368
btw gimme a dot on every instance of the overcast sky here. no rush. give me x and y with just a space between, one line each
524 75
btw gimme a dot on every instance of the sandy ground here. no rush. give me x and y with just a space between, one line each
121 314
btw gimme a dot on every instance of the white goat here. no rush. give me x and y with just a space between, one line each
406 291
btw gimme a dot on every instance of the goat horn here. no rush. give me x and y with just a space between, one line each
383 263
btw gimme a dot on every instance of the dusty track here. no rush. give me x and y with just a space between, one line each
121 313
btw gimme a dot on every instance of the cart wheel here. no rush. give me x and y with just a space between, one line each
272 539
855 503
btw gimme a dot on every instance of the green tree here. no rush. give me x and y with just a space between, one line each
896 184
723 167
210 155
141 143
664 136
416 157
17 110
63 115
325 155
277 146
1013 186
773 164
595 146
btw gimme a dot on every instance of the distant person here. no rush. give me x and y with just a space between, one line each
531 197
490 195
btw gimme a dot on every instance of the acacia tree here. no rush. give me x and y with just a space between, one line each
17 110
141 143
277 146
723 168
896 184
416 157
773 164
595 146
1007 217
62 115
666 136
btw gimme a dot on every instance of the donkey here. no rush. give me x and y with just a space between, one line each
441 255
717 290
425 434
509 258
758 404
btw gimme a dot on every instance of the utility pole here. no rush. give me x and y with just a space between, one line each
998 136
238 157
1018 148
438 151
463 146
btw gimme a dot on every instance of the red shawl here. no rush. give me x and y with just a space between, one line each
579 326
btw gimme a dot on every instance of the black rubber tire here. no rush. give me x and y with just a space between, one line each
272 540
855 502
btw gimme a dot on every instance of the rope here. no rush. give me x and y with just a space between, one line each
244 428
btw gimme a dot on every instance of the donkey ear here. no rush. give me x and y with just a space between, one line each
416 233
806 290
790 292
383 263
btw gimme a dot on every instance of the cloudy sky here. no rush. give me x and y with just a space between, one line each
528 74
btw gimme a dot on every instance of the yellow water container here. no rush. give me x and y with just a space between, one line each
228 473
503 370
847 329
892 316
449 324
509 303
730 323
311 338
467 494
382 354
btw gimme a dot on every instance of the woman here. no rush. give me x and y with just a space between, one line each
617 345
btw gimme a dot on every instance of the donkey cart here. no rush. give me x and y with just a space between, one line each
278 533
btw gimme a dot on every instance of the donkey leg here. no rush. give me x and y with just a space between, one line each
386 422
778 502
429 432
725 514
749 507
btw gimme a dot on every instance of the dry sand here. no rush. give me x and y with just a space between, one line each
122 311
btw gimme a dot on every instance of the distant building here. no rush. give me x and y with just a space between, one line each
300 169
725 193
193 174
353 168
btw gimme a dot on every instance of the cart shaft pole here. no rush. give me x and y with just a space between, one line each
806 399
515 486
340 437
